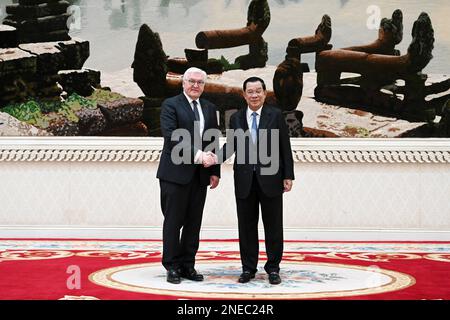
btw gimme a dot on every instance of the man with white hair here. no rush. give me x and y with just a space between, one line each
183 178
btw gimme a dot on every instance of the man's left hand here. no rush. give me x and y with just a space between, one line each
213 182
287 184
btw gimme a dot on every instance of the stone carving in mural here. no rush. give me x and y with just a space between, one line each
258 19
390 34
150 63
288 80
319 41
376 89
195 58
288 77
288 88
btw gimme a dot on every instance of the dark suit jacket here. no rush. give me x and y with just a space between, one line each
272 185
176 113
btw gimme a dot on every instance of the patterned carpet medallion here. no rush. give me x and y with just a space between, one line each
115 269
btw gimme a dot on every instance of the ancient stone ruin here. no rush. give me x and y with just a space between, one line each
288 77
369 78
318 42
43 82
150 63
390 34
31 69
258 19
39 20
374 93
380 67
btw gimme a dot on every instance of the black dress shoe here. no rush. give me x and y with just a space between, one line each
191 274
274 278
246 276
173 276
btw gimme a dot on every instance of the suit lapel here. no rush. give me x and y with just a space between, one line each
205 111
265 117
243 118
186 106
244 125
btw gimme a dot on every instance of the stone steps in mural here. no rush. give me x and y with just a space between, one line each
43 24
59 35
14 61
50 59
31 70
39 21
41 71
64 54
38 10
8 36
40 65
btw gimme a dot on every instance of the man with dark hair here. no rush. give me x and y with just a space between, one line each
253 79
256 186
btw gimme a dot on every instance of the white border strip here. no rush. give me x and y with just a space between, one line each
318 150
155 233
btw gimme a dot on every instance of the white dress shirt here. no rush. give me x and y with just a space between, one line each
250 117
200 113
197 157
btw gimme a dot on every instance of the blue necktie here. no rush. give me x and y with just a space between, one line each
254 127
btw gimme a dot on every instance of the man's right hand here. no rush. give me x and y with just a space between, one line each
209 159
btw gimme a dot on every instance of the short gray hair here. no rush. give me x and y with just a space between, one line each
194 70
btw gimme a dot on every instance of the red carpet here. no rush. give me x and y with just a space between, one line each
48 269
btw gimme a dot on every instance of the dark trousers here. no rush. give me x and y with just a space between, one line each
272 215
182 207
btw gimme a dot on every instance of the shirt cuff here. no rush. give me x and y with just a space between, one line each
198 157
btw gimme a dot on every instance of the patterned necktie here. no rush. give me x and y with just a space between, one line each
254 127
196 114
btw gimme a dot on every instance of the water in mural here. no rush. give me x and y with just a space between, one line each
107 23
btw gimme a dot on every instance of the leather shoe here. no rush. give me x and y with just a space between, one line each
246 276
274 278
173 276
191 274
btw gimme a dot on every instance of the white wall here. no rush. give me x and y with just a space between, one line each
107 188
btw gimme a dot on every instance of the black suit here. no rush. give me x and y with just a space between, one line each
253 187
183 186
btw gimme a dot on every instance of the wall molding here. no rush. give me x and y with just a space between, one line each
320 150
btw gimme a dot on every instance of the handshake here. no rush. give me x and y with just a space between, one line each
209 159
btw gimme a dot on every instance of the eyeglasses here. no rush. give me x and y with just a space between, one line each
193 82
